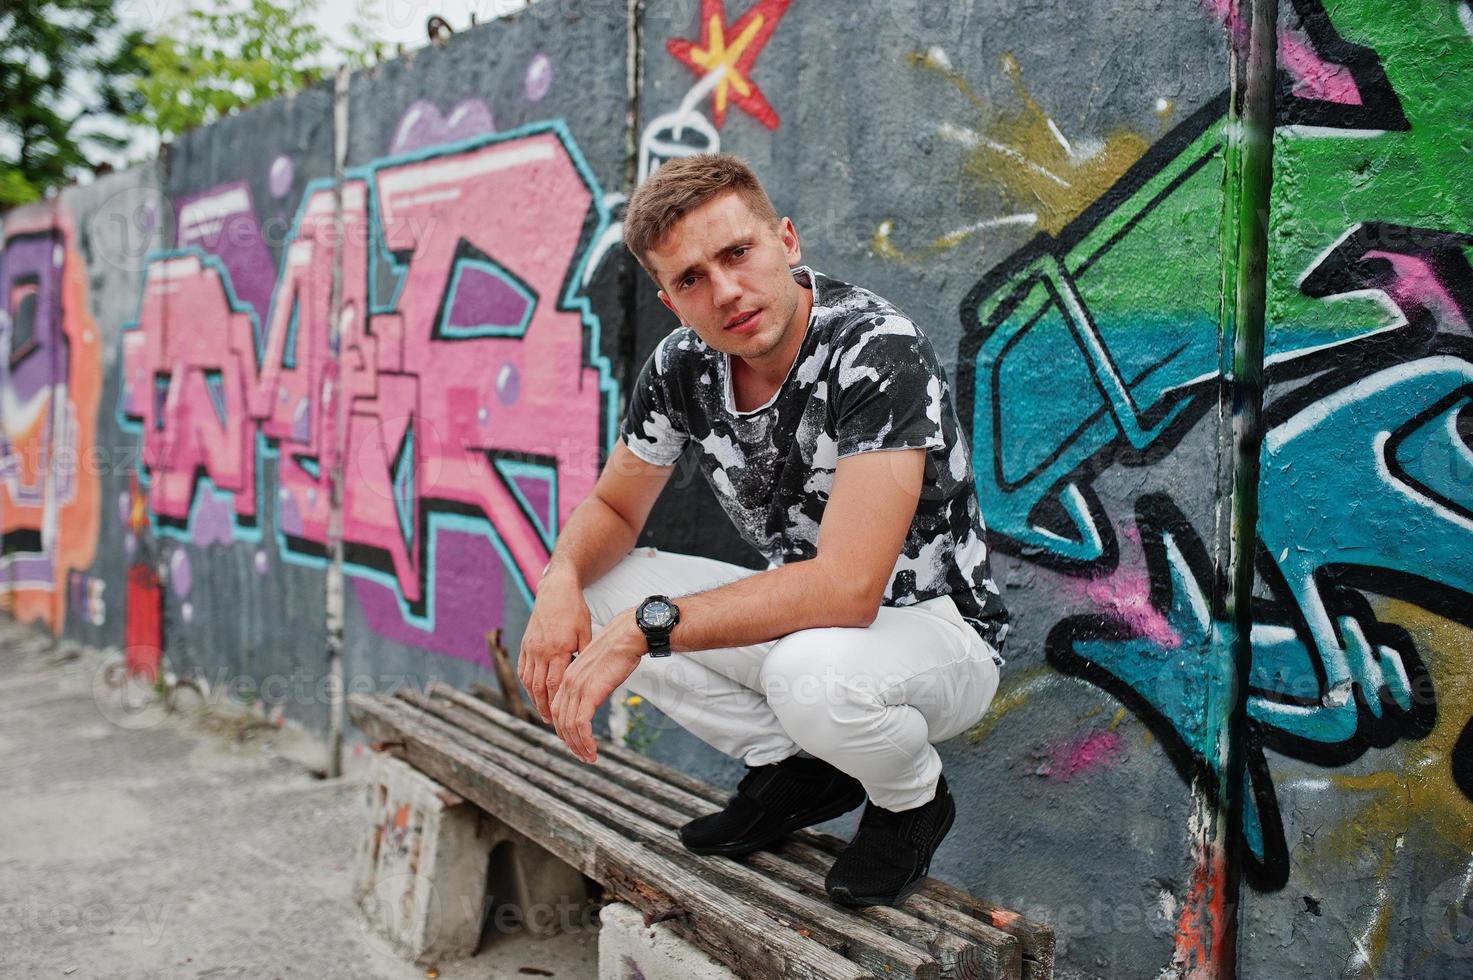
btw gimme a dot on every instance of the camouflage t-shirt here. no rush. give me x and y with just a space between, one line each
864 379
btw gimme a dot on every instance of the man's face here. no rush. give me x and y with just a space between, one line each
724 272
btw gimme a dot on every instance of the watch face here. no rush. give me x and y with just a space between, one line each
657 614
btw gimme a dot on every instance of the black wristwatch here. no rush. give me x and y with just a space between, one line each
656 617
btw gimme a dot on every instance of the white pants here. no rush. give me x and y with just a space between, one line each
868 700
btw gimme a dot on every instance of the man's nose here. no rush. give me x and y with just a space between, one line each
725 289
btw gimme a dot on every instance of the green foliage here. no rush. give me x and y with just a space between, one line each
640 734
62 62
366 48
224 55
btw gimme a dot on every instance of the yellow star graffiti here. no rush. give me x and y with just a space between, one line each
718 55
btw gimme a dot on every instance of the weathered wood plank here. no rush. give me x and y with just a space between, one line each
864 943
613 767
1036 940
737 932
1002 952
635 760
917 921
968 952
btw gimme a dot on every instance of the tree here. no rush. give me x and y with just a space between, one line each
227 54
63 63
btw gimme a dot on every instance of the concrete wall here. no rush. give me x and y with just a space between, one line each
415 279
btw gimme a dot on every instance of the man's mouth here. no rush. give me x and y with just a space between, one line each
742 320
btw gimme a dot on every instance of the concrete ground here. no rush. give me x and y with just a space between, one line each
145 844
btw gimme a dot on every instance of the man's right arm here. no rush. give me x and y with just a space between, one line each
599 532
603 528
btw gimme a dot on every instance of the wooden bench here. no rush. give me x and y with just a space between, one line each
764 915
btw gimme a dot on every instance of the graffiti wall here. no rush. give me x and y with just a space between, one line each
1360 709
311 398
494 178
50 384
217 422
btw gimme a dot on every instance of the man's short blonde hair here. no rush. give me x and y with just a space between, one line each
682 185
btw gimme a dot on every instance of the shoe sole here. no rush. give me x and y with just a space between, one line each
740 848
843 896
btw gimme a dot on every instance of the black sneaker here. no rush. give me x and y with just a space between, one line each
891 852
772 801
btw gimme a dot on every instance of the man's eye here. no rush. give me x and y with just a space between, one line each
737 253
687 282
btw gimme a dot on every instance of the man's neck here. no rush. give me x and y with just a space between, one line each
768 372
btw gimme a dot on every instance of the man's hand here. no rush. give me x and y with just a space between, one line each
560 626
602 666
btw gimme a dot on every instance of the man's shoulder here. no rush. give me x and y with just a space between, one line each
852 312
864 327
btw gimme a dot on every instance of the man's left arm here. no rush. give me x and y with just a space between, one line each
865 521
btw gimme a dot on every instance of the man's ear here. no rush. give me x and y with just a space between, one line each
792 248
669 305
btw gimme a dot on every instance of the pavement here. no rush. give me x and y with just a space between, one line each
137 842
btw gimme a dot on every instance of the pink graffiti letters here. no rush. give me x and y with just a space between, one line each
474 397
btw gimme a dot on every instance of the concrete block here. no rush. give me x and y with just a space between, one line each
434 871
420 877
630 950
530 888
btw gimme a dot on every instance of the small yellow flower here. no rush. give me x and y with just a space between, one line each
633 700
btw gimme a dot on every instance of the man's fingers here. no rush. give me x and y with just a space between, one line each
555 709
555 672
538 690
581 725
585 733
559 706
566 714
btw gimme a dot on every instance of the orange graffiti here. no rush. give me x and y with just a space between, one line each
1202 927
49 496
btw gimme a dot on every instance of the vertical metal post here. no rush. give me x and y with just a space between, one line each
1251 171
333 611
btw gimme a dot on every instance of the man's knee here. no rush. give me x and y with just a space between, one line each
802 671
826 666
